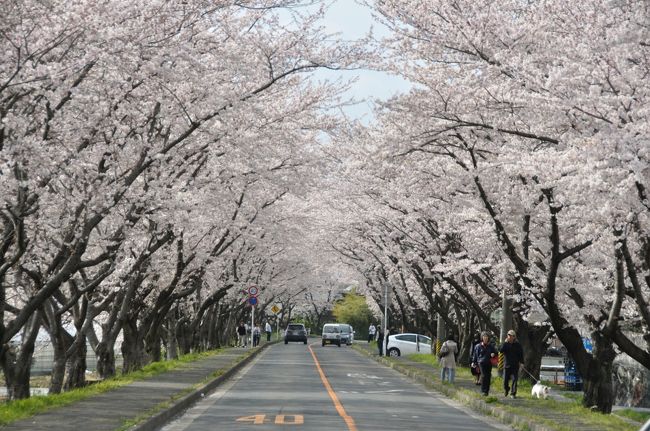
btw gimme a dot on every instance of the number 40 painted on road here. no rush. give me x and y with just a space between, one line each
279 419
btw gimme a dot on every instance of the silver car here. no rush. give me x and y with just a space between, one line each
347 334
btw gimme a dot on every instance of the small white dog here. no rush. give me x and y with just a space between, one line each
540 391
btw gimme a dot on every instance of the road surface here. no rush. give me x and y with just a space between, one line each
315 388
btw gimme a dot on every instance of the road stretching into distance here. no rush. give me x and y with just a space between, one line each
315 388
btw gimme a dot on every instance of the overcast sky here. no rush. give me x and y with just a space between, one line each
353 21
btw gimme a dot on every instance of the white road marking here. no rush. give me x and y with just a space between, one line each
202 406
384 392
365 376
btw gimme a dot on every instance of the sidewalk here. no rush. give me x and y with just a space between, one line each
522 412
151 402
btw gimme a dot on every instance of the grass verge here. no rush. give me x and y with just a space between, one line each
553 414
12 411
641 417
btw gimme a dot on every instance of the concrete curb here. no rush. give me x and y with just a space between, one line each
480 406
161 418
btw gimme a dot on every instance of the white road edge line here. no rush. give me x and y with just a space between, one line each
190 415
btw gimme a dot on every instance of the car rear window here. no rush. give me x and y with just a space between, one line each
295 327
330 329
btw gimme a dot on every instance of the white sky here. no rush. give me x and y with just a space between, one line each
353 21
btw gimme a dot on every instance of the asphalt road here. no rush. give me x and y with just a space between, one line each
299 387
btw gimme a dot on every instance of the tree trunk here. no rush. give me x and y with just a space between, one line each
598 386
132 349
534 342
184 337
17 364
172 346
58 368
105 360
153 348
466 339
20 388
60 342
8 360
76 368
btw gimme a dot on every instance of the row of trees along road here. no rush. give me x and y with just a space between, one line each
145 150
156 158
519 161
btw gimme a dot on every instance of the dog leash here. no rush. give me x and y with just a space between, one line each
530 374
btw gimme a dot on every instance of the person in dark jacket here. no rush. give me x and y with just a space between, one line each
514 356
476 371
380 340
483 353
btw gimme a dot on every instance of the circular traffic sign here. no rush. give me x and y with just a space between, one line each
253 291
252 300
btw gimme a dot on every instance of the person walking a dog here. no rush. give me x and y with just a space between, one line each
514 356
482 356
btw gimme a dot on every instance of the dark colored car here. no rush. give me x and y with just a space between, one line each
295 332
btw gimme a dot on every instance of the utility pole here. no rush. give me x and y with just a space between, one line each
441 330
385 315
506 324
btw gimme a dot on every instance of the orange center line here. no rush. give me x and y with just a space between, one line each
339 407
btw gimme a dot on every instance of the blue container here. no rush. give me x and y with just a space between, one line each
572 378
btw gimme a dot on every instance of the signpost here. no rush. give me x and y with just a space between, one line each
252 291
275 309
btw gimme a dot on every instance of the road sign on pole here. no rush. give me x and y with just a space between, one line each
252 300
253 291
275 309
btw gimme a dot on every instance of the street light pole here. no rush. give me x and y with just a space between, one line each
385 312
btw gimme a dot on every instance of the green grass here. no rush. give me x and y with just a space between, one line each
19 409
634 415
538 410
577 396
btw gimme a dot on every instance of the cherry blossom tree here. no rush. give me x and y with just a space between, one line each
527 119
113 129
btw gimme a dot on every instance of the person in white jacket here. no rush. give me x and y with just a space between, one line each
447 356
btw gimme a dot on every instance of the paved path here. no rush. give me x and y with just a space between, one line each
110 410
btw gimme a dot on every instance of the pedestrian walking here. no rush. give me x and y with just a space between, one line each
241 335
257 333
514 356
476 371
380 340
483 354
268 330
388 333
447 357
371 332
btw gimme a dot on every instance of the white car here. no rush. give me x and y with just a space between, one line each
407 344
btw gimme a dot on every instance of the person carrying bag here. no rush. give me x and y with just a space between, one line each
447 358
